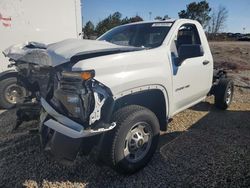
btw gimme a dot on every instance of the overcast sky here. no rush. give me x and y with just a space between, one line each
96 10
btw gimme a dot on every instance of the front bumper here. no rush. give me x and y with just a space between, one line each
68 127
63 137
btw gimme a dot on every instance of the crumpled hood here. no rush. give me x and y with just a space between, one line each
60 52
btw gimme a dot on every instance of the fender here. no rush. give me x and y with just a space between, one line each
13 73
7 74
146 88
109 106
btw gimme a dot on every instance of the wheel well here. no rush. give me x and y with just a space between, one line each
151 99
7 74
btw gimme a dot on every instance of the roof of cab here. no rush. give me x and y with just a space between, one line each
162 21
153 21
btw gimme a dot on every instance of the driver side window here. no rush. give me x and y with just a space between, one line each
187 36
187 44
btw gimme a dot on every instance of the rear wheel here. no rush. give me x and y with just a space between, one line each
10 92
133 142
224 93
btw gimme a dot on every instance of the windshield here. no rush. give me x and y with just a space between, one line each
148 35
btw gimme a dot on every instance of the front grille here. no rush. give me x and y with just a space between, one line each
36 78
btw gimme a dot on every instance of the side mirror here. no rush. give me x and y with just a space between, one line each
186 51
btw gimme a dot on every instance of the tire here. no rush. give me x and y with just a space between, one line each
224 93
9 85
131 145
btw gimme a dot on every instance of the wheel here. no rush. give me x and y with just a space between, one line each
224 93
132 144
10 92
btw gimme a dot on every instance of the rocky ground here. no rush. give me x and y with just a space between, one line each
203 147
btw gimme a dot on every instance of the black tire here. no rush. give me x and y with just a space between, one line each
222 97
115 141
4 85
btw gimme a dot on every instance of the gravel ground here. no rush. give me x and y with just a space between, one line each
203 147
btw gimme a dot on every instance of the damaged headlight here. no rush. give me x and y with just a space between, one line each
74 102
73 95
80 97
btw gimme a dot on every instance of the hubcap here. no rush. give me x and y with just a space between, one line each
138 142
229 95
14 93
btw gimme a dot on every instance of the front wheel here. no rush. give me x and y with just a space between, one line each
10 92
133 142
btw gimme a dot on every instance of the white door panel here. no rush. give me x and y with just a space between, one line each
190 81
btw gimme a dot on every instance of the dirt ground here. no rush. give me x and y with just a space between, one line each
203 147
235 58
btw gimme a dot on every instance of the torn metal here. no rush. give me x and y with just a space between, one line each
29 52
61 52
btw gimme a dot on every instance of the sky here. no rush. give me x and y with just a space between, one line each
96 10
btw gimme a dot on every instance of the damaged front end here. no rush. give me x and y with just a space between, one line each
74 112
71 105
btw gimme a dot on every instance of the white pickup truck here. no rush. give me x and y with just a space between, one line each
112 96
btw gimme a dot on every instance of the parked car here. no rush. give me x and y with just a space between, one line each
245 38
111 97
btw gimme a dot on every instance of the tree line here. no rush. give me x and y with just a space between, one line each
212 20
106 24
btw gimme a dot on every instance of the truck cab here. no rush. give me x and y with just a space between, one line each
112 96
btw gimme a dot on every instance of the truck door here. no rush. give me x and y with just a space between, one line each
191 68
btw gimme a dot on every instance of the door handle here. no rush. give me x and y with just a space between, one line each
206 62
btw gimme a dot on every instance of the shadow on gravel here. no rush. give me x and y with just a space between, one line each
214 152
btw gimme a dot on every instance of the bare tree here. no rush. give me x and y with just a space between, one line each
218 20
